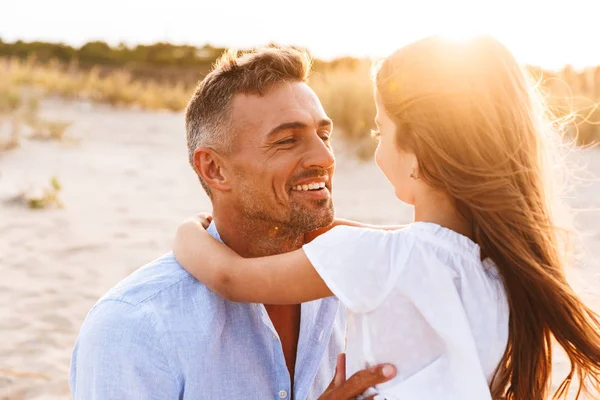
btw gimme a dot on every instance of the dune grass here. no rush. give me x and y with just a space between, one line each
10 101
19 109
118 88
48 198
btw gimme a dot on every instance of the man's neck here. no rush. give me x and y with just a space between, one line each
251 238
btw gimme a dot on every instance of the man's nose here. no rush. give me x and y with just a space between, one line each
319 155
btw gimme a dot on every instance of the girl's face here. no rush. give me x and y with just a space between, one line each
396 164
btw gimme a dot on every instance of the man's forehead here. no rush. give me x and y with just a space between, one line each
283 103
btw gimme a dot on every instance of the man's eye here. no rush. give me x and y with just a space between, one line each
287 141
325 138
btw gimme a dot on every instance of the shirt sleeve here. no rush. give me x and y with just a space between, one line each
118 355
358 265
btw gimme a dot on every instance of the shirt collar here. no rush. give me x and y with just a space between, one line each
212 229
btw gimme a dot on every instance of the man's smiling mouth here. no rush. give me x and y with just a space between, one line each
310 186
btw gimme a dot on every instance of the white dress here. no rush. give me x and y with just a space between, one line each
421 299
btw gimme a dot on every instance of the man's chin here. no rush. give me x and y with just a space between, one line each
322 223
310 220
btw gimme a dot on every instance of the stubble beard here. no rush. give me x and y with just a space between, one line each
297 220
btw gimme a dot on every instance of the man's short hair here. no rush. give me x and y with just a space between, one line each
208 114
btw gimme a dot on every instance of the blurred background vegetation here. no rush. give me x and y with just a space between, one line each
163 76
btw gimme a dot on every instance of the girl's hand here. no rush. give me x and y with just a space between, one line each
204 219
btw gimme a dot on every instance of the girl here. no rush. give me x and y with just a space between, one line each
466 300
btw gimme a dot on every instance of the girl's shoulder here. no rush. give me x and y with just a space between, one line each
450 249
436 237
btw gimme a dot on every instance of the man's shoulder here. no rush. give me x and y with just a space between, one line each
162 282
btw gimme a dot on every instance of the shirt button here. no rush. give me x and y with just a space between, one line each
282 394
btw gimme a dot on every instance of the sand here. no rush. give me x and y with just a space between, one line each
126 186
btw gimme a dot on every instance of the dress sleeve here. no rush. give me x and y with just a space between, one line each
358 265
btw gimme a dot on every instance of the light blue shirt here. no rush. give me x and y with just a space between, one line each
161 334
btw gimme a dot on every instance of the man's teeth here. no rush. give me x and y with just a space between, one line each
310 186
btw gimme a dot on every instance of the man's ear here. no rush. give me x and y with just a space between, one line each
209 166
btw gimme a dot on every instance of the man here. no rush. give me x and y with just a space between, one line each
257 138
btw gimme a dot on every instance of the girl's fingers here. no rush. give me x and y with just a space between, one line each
204 219
340 370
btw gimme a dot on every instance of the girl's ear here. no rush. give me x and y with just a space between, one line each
415 173
211 168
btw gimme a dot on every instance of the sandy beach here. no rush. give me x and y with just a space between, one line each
126 186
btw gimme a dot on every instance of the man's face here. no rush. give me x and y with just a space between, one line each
282 165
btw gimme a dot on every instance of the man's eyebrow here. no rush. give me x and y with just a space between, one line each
296 125
286 126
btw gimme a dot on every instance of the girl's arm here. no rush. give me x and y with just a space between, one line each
308 237
287 278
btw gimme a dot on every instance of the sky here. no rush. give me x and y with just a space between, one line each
550 33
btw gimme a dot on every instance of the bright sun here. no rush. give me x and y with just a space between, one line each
461 34
461 27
